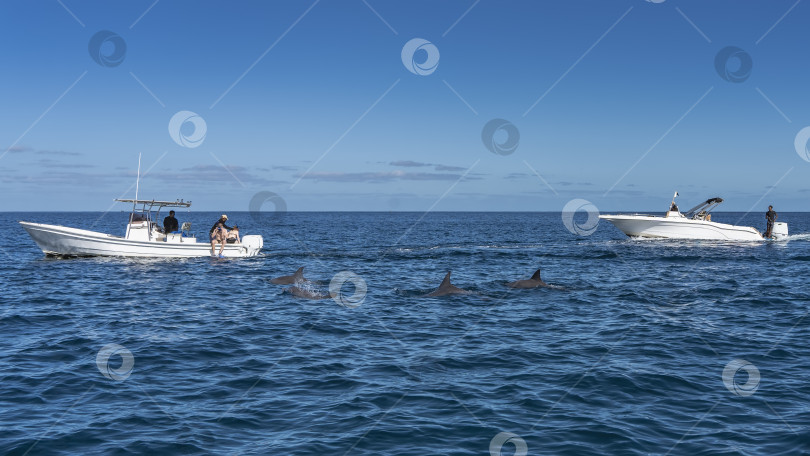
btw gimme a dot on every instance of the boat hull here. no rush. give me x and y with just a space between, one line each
66 241
681 228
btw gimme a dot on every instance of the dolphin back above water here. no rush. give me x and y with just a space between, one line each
305 293
298 276
446 288
534 282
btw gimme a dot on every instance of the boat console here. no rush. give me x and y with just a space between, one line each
141 226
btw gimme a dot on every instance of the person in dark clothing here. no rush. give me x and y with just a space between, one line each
219 233
771 217
170 223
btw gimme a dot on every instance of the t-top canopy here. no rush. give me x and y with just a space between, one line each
704 207
153 203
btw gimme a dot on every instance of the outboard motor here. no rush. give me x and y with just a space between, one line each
252 244
780 230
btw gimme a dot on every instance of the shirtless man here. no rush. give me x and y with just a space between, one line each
218 233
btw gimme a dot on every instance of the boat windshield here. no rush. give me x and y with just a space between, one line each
138 217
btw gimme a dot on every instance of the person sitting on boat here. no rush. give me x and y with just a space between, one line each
233 236
170 223
770 217
674 207
219 234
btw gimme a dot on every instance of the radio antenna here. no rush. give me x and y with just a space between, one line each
137 182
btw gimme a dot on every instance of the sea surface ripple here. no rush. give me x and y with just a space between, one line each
626 355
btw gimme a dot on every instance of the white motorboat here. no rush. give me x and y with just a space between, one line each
143 238
696 223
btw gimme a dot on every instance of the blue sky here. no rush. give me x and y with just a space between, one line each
616 102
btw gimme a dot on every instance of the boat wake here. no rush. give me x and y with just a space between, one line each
796 237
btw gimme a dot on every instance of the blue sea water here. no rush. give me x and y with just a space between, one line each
625 356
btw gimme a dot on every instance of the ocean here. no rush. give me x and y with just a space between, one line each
641 347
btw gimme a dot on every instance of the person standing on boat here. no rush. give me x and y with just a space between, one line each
771 217
170 223
219 232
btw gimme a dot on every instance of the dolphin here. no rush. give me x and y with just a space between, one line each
306 293
446 288
298 276
534 282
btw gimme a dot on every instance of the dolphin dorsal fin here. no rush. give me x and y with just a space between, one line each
299 272
446 281
536 275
